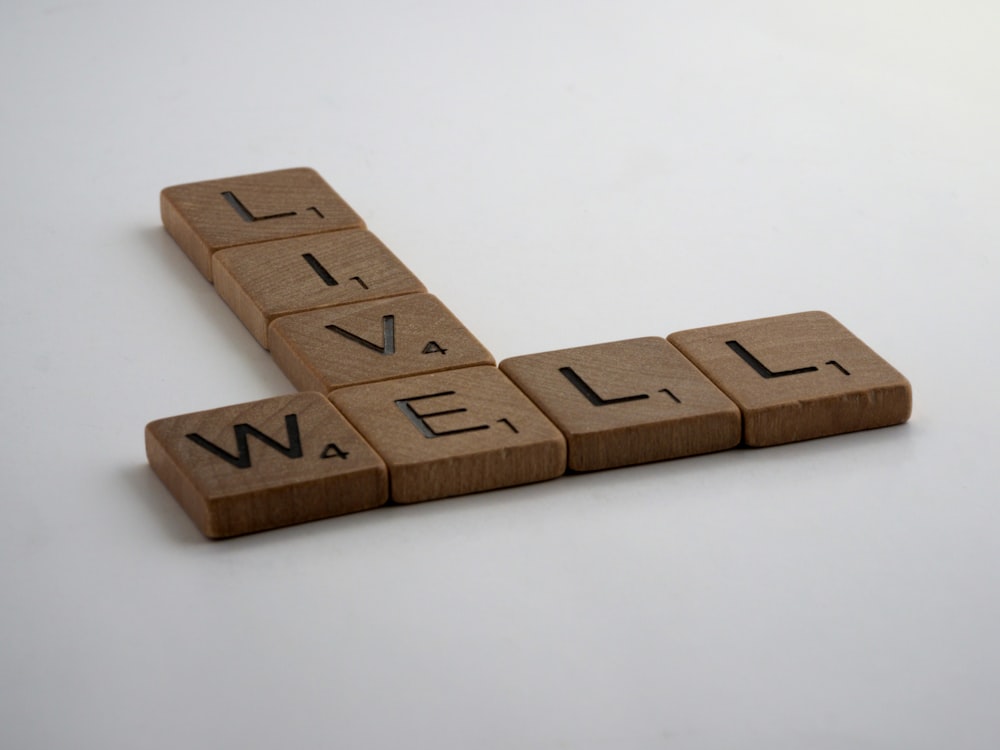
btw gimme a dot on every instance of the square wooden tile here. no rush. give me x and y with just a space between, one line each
331 348
455 432
627 402
270 463
797 377
267 280
204 217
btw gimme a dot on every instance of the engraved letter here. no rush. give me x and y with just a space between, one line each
591 395
759 367
244 212
241 431
318 267
420 420
388 336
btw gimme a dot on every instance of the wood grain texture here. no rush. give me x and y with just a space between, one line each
270 463
797 377
365 342
264 281
455 432
627 402
204 217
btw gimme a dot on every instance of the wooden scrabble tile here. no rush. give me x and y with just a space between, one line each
455 432
797 377
204 217
265 464
627 402
264 281
368 341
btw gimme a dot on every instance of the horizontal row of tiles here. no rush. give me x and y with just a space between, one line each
290 459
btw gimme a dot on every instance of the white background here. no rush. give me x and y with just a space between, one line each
559 174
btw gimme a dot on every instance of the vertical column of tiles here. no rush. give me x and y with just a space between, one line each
264 281
455 432
365 342
204 217
797 377
627 402
261 465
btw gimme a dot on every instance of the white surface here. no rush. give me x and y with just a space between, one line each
559 174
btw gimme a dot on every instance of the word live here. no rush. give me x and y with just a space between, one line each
399 401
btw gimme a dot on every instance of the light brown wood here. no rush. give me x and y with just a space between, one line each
455 432
343 316
260 465
265 281
797 377
204 217
331 348
627 402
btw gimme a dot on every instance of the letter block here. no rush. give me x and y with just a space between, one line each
265 464
343 316
264 281
368 341
204 217
627 402
797 377
456 432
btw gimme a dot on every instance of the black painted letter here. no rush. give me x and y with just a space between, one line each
245 213
388 336
760 368
320 270
242 461
581 385
420 420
